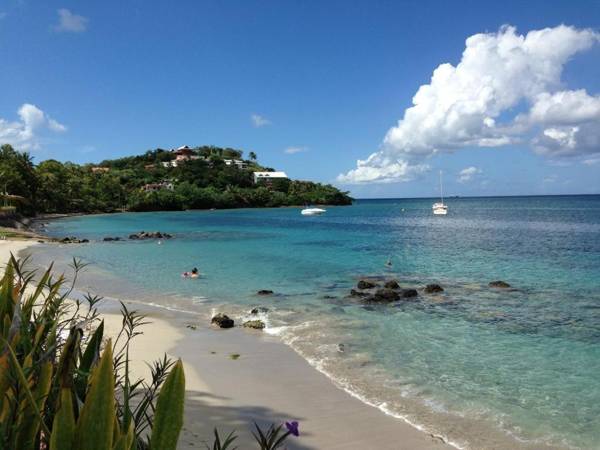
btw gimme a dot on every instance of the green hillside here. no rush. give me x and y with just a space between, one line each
191 178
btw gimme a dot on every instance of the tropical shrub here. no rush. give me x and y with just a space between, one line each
64 387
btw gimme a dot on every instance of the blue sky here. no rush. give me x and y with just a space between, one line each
328 80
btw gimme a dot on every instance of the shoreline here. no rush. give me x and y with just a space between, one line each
268 383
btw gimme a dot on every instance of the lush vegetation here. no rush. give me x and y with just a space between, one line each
65 386
207 182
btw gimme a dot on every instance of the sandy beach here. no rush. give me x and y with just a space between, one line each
267 383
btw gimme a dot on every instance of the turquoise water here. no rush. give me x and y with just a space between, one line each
485 368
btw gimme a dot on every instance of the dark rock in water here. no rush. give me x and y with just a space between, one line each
386 295
355 293
391 284
409 293
222 321
365 284
256 324
73 240
499 284
110 239
264 292
259 309
329 297
341 348
150 235
433 288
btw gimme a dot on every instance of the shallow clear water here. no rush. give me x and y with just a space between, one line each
482 367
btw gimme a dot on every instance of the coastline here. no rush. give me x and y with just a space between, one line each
267 383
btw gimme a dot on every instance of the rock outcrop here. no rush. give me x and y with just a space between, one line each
222 321
391 284
433 288
409 293
255 324
356 293
150 235
366 284
73 240
499 284
264 292
385 295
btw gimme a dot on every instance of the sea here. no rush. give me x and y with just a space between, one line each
483 367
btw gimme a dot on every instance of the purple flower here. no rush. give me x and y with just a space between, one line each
292 428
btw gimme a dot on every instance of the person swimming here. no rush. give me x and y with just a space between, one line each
193 274
388 263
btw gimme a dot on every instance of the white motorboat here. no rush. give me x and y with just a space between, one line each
439 209
312 211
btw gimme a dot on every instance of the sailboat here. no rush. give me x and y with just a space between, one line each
439 209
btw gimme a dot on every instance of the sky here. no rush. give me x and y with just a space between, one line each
375 97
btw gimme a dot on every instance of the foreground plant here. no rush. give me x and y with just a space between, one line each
64 387
270 439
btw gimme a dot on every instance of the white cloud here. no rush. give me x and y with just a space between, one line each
466 105
565 108
26 133
294 150
70 23
468 173
376 170
259 121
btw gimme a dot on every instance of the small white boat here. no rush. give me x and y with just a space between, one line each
312 211
439 209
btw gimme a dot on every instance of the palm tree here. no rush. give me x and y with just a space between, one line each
252 156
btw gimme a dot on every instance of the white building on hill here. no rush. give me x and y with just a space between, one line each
268 176
236 162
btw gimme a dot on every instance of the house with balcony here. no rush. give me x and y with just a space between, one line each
237 163
269 177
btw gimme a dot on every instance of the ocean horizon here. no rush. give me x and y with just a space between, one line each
481 366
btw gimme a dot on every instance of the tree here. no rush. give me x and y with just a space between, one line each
252 156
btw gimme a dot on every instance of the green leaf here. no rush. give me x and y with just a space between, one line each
63 427
25 386
90 356
168 418
97 419
30 426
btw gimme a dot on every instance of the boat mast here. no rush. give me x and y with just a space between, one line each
441 189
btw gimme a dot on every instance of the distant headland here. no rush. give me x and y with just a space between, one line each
201 177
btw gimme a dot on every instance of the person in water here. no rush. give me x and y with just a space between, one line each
193 274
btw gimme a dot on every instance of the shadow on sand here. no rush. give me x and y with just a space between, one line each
203 413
